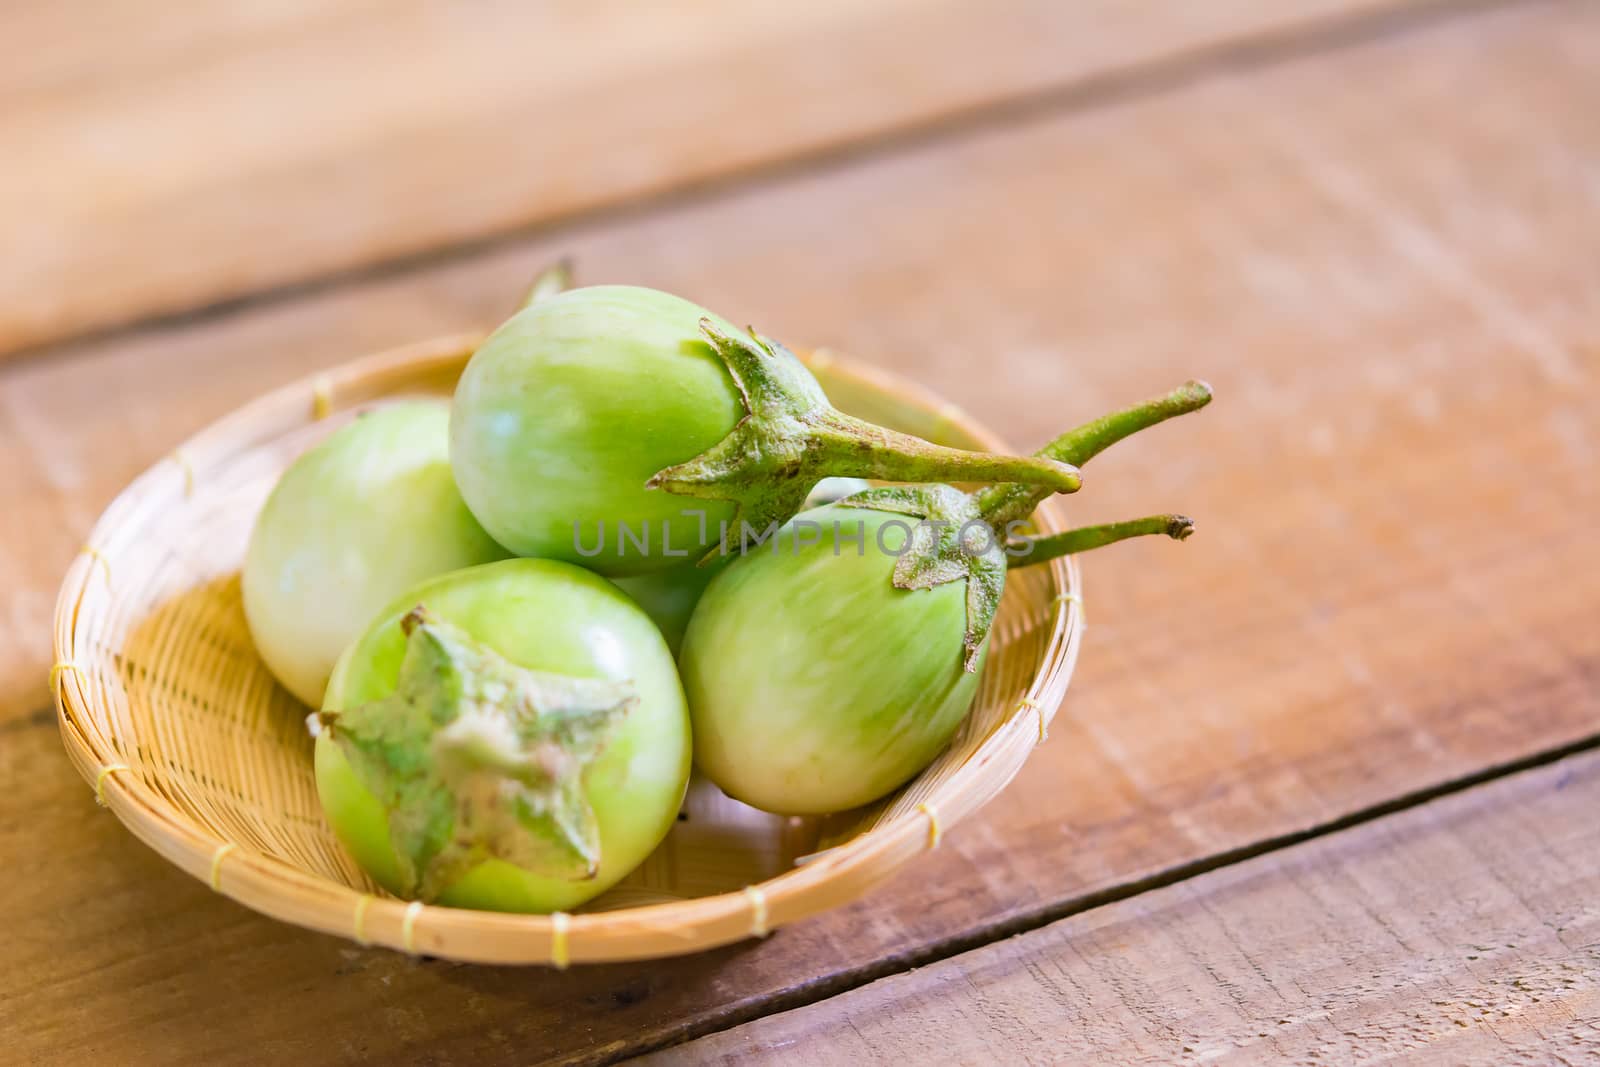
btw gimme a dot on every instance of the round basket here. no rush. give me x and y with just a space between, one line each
169 714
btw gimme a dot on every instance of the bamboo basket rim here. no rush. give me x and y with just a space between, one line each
278 889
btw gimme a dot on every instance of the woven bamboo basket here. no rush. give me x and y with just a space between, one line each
166 710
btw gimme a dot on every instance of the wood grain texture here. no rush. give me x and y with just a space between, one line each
1461 932
154 164
1380 256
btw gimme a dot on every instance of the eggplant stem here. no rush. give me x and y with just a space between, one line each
554 279
791 438
1082 539
1001 504
854 448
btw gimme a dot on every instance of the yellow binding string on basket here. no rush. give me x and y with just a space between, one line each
216 864
99 557
758 911
187 468
100 780
56 670
1070 598
321 398
934 830
408 927
1029 704
559 954
358 927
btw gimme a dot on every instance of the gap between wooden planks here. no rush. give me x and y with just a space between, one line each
1380 256
157 163
1462 932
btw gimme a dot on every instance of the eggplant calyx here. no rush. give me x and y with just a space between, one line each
476 758
950 543
791 438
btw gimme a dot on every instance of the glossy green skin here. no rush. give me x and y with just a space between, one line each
669 597
352 523
814 684
571 406
547 616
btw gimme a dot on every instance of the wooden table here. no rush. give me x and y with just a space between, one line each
1323 789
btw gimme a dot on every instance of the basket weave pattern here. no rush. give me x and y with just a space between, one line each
167 711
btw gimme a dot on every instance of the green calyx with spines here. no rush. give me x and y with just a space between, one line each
475 758
953 549
943 549
791 438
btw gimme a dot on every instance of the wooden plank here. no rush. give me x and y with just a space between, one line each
1460 932
153 165
1382 257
